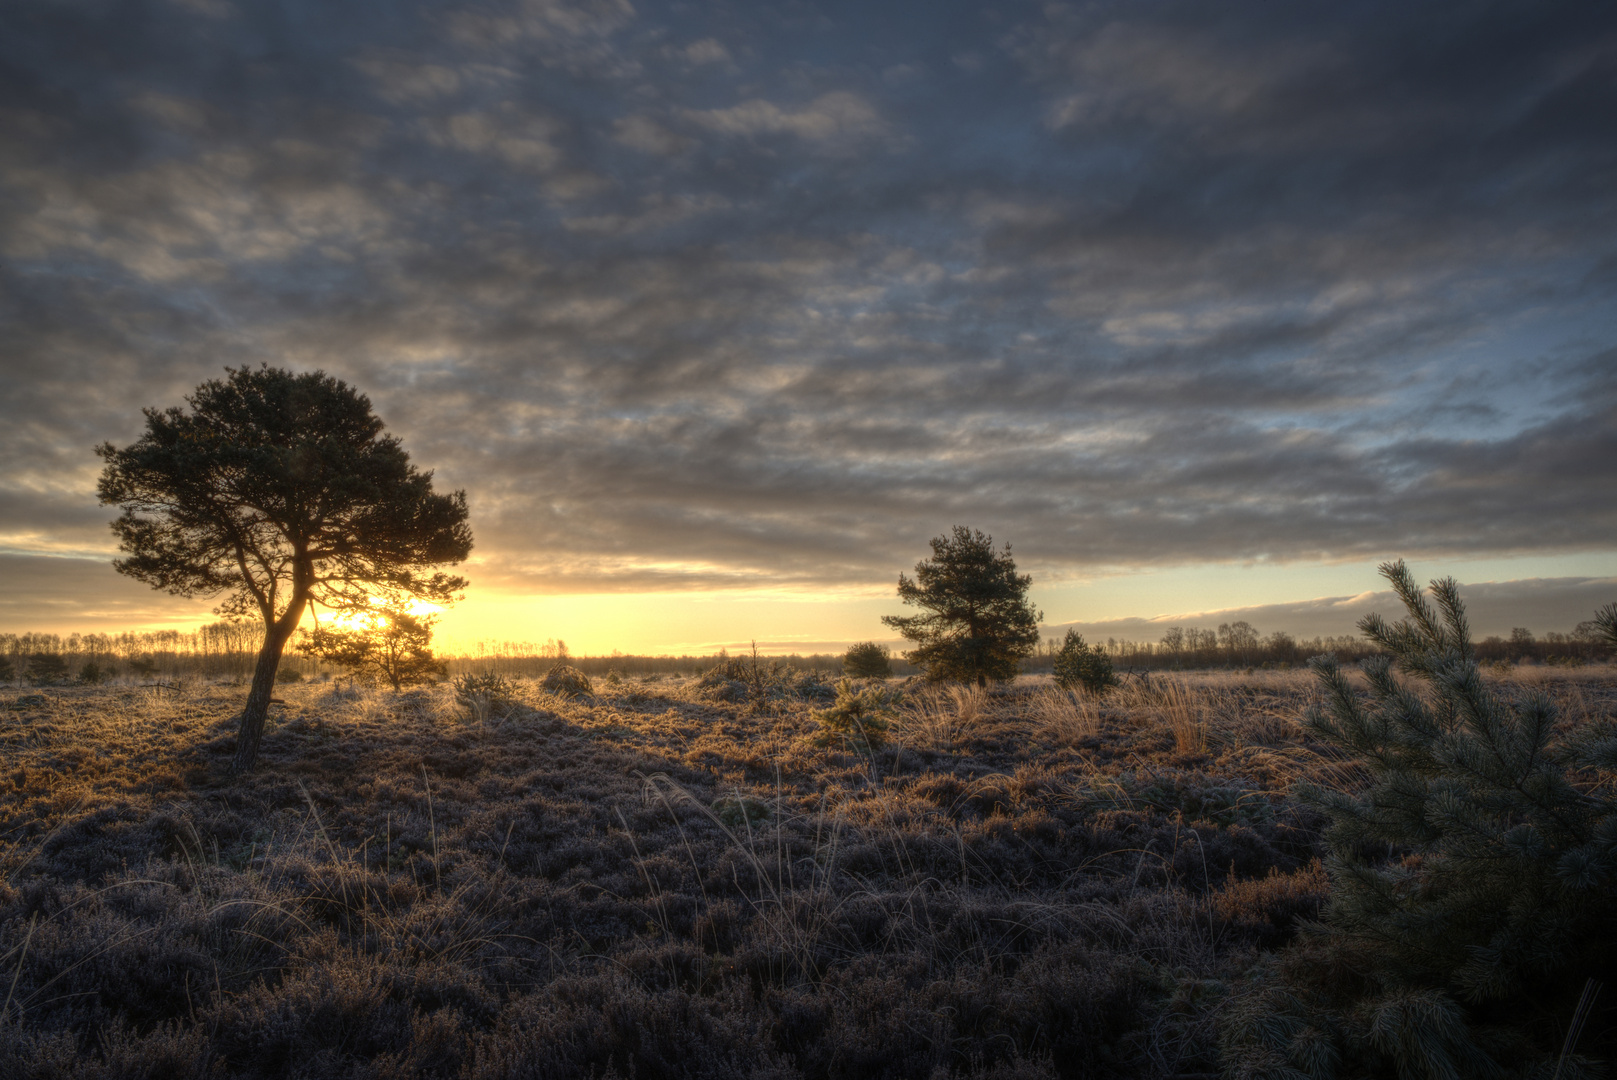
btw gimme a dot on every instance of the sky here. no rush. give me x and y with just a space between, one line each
719 312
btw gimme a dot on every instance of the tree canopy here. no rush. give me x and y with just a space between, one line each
386 643
277 490
976 621
867 660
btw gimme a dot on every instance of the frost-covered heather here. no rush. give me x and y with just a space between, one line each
664 879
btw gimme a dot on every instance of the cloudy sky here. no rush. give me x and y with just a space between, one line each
718 312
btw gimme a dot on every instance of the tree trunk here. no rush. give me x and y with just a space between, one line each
258 698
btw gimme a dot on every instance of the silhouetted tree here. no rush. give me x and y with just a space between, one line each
1173 641
978 623
1281 646
279 490
1238 639
386 643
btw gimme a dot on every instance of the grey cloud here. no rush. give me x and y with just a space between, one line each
686 301
57 595
838 115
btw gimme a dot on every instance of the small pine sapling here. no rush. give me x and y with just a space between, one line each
858 720
1088 666
1470 878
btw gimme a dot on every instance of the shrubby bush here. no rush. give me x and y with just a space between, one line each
858 719
564 680
1471 878
1078 664
867 660
485 695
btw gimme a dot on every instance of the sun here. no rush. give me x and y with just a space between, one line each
373 618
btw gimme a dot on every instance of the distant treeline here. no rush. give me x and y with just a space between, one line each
226 649
1240 645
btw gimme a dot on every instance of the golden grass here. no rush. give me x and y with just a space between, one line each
1063 717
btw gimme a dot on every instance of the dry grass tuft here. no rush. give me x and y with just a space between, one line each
940 717
1063 717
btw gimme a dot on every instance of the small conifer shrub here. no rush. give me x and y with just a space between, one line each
867 660
858 720
1078 664
1470 878
486 695
564 680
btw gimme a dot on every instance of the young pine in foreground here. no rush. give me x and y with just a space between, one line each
1471 877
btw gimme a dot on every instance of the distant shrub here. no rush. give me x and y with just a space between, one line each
1470 880
46 668
745 679
721 683
8 672
867 660
564 680
1078 664
93 673
858 719
288 675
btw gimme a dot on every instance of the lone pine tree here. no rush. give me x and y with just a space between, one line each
1471 876
977 623
279 490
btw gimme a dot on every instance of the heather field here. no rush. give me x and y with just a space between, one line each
667 877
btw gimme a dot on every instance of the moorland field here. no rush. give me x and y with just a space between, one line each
667 877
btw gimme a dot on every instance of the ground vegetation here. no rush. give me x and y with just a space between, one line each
656 881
